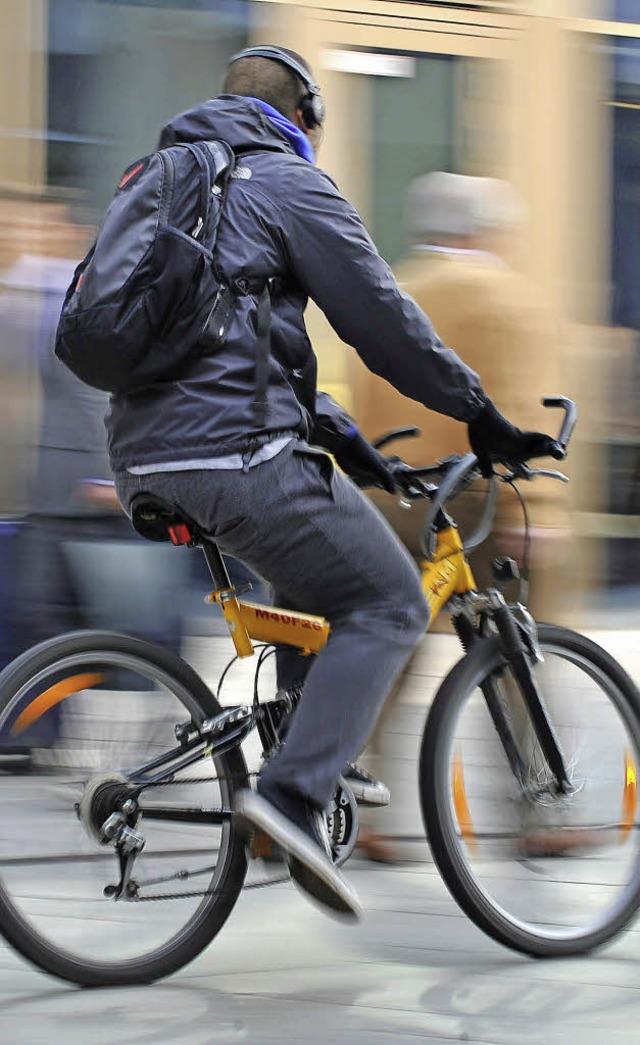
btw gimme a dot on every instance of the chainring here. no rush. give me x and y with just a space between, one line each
342 823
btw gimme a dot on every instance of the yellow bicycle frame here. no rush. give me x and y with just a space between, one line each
445 574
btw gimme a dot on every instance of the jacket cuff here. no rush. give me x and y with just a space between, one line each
477 402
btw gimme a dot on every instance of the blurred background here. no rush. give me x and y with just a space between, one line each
542 94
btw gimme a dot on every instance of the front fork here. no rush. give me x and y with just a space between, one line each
517 657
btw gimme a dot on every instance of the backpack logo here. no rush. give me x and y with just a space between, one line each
244 173
128 175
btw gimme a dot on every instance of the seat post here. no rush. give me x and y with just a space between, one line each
227 597
216 565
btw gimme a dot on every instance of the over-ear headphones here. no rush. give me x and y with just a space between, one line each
311 105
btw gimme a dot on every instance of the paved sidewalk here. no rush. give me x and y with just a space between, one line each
281 972
414 970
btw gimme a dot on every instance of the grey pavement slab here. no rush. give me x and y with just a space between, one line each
280 971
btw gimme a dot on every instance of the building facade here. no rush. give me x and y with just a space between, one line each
544 93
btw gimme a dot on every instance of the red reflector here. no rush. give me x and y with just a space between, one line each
80 281
180 534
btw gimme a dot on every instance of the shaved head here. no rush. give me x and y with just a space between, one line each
269 80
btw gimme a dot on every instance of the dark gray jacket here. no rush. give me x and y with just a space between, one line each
285 218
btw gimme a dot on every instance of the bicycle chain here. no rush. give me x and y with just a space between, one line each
200 892
194 780
206 892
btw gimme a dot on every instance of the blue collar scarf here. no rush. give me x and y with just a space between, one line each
296 138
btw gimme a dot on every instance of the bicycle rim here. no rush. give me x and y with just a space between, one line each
547 874
94 712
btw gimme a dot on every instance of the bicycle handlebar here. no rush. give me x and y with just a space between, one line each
456 470
569 421
455 475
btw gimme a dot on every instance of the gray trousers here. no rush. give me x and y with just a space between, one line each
307 530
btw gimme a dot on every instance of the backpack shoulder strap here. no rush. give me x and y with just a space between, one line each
263 352
222 159
215 160
221 154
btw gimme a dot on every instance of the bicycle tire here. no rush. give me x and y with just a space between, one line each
214 908
449 823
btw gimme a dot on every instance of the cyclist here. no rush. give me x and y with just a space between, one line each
243 462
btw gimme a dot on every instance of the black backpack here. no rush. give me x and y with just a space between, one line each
149 293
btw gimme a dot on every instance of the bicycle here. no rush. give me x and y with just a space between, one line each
140 785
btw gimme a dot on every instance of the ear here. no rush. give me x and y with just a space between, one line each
299 122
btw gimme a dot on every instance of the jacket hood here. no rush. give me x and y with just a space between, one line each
238 121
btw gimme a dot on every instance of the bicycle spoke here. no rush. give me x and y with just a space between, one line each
113 801
543 869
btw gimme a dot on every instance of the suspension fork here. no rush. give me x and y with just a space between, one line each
468 636
516 655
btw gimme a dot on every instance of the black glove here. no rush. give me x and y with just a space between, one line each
493 438
363 463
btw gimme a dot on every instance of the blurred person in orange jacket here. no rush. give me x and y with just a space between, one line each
463 232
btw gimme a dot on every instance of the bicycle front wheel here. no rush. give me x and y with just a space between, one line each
547 874
112 724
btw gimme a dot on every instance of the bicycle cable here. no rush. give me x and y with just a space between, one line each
265 653
526 555
224 675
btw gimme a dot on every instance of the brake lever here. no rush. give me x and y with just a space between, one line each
524 471
549 473
411 488
414 491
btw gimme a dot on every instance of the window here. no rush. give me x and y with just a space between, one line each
117 73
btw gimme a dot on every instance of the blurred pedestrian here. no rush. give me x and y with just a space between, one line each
77 562
464 234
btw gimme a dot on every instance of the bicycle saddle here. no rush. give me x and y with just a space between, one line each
159 520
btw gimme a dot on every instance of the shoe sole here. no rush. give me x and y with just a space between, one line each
312 871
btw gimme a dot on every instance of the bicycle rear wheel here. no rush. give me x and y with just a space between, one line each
109 706
545 874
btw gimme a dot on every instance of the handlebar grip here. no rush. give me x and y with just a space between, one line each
569 421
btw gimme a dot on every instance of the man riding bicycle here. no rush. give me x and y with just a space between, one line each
240 456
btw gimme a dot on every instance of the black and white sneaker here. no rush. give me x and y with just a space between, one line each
300 831
366 789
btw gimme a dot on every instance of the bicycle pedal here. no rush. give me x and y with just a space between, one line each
228 717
